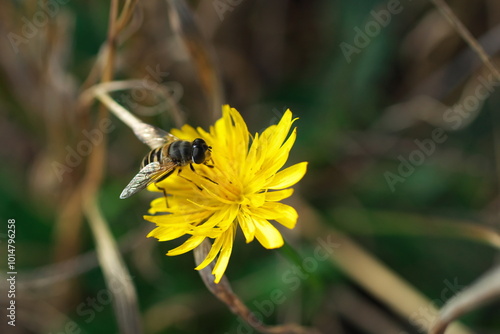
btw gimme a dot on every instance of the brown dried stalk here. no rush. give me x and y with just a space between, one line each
224 293
487 287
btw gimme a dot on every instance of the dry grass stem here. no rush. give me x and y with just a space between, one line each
201 54
483 291
118 280
466 35
224 293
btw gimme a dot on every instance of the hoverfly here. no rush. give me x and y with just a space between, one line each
169 154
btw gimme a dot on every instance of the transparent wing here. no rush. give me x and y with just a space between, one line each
147 175
153 136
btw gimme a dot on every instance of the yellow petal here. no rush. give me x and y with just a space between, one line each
153 188
255 158
275 135
225 254
222 218
278 195
257 199
282 213
177 219
289 176
231 139
187 132
247 226
287 215
167 233
188 245
212 254
157 205
240 128
277 158
267 234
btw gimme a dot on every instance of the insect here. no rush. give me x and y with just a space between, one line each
170 154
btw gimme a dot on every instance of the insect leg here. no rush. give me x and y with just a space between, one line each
164 194
163 189
179 174
203 176
211 165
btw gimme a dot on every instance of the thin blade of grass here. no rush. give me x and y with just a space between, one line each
466 35
184 24
484 290
116 275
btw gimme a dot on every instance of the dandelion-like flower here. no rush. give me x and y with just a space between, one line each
243 188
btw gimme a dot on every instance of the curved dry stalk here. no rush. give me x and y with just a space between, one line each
118 280
224 293
101 92
70 217
185 26
117 27
72 208
466 35
126 14
485 289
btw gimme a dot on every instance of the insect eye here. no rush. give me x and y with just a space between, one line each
199 149
198 156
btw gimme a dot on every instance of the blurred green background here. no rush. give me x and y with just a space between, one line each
366 78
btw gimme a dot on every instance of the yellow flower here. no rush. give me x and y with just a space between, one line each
243 188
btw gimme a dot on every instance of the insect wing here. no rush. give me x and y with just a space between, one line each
152 136
147 175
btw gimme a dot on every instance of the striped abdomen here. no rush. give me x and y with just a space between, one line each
155 155
180 152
